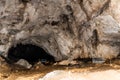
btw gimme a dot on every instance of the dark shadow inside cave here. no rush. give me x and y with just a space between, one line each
85 60
30 53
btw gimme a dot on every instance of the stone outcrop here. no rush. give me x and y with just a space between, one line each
69 75
67 29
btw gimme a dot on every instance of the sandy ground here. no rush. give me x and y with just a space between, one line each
87 71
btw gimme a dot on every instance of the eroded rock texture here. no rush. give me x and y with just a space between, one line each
67 29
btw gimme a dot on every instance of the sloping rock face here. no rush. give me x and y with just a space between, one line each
67 29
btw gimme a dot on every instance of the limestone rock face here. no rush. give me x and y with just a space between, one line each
67 29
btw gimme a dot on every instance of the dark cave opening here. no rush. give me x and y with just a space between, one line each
30 53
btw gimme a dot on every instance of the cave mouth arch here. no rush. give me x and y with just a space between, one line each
30 53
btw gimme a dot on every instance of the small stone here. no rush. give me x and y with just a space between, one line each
24 63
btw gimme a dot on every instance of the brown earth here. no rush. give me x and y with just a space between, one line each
8 72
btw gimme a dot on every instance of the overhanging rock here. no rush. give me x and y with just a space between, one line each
66 29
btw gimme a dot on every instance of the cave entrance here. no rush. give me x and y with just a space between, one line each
30 53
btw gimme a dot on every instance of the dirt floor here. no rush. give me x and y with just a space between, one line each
10 72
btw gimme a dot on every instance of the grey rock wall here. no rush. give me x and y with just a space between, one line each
67 29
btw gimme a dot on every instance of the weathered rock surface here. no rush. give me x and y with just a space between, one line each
67 29
68 75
